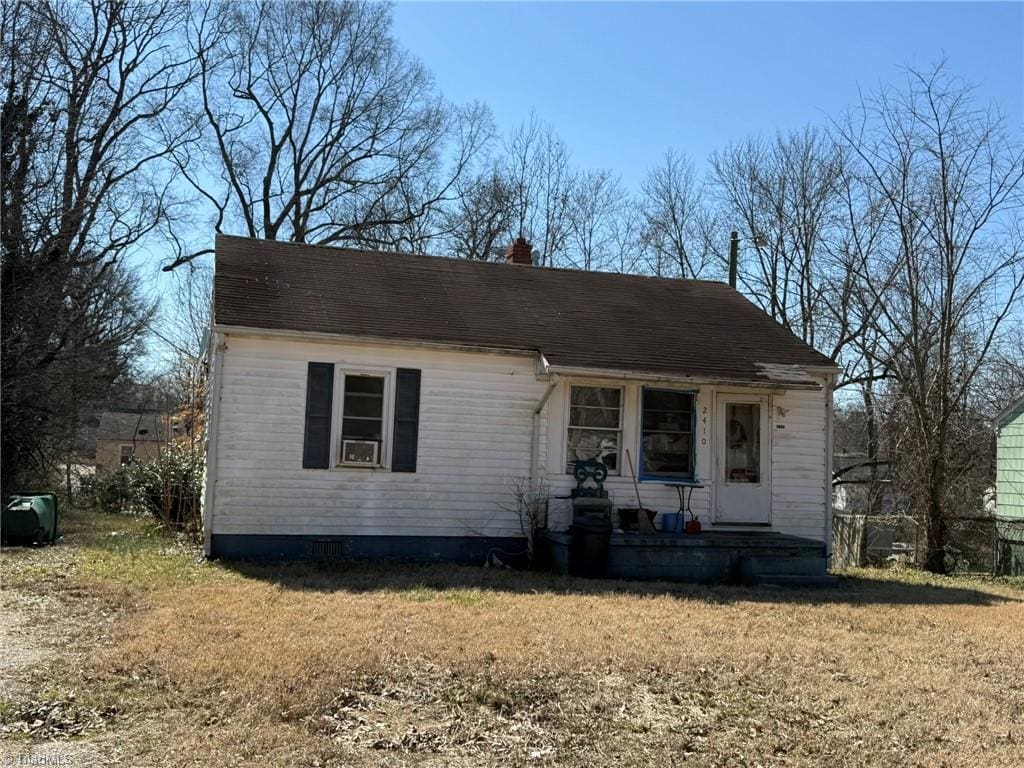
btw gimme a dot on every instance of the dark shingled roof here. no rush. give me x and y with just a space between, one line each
592 320
128 427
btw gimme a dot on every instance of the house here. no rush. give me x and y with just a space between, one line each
388 405
123 437
1010 488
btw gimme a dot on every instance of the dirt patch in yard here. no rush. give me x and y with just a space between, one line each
55 619
21 639
39 723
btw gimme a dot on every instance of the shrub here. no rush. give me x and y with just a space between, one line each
108 491
168 487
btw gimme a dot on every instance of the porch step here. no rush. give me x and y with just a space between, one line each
754 566
795 580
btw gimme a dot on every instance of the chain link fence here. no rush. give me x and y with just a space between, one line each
974 545
1009 547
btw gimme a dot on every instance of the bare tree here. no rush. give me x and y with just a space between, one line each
84 183
626 228
541 180
784 194
181 332
596 205
1002 377
571 218
318 127
951 183
854 257
479 223
678 230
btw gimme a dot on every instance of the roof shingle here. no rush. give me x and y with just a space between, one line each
587 320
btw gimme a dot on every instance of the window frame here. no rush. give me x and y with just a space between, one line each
121 456
341 372
674 478
620 430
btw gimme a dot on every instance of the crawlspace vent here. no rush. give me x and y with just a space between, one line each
327 548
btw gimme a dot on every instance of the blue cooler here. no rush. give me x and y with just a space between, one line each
671 522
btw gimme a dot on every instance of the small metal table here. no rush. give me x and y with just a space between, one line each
685 492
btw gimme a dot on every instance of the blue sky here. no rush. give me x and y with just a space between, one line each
622 82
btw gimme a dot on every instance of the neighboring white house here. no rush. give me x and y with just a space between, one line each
390 405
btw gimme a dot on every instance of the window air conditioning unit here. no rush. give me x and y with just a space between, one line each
359 451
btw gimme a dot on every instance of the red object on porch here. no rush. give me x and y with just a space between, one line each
685 492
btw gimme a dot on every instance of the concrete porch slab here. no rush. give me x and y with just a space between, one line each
704 558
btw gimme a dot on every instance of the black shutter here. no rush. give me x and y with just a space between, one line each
316 449
407 420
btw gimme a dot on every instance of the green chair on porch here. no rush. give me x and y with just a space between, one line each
589 496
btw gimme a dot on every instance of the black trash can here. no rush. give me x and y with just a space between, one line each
588 547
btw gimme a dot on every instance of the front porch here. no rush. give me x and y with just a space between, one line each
754 557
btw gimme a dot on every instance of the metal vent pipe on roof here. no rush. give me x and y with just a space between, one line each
734 257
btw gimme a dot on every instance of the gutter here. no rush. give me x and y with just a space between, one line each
535 438
823 368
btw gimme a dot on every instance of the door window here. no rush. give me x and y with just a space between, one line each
743 443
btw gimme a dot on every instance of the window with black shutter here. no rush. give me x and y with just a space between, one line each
316 450
373 420
407 418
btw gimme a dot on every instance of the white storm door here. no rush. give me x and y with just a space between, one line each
742 487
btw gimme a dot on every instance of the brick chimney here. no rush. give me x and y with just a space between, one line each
520 253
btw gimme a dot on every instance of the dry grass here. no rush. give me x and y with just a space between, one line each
374 665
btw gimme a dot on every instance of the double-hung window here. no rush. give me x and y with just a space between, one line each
363 418
595 426
666 434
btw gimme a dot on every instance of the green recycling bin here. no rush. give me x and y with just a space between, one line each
30 518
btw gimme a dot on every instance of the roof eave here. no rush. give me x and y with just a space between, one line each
829 368
635 375
1004 414
544 365
327 337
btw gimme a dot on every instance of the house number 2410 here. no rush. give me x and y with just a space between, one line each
704 425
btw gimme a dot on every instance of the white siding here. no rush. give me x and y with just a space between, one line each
620 487
474 448
799 454
797 424
474 445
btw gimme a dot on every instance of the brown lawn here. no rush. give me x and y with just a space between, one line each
208 664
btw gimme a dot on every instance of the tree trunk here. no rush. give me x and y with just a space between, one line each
935 521
871 426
